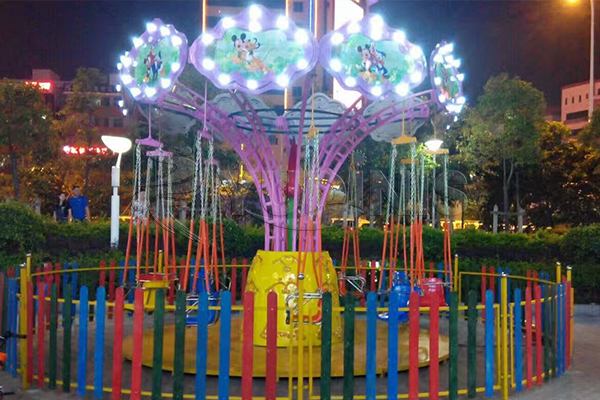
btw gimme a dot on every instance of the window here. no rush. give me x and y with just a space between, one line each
106 122
95 121
573 100
598 91
587 96
298 6
116 101
273 139
566 101
580 98
118 122
577 115
297 91
106 102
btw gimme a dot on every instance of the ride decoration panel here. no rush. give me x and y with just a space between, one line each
372 58
153 65
254 52
446 79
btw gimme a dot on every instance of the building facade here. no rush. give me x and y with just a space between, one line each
574 106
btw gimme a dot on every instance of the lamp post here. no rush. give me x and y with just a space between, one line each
433 148
591 94
118 145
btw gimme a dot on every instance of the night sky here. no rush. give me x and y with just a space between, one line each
545 42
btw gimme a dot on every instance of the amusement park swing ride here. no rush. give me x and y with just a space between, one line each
245 56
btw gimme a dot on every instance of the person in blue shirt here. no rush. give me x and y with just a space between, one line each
79 205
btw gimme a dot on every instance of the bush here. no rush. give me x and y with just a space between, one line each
21 230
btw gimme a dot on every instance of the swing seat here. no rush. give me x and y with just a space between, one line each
193 299
291 315
401 285
432 285
357 284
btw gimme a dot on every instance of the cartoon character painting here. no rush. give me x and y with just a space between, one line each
245 54
373 60
154 66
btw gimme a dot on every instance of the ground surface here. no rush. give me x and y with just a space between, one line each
581 383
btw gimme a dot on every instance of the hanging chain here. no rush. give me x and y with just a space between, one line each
161 190
197 166
146 208
219 200
210 181
402 199
170 188
422 198
413 181
446 206
391 191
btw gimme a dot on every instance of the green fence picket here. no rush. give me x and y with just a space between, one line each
66 375
53 341
349 315
453 375
326 347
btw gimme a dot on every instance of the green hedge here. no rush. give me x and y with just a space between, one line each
23 232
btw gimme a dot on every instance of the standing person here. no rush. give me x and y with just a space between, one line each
79 205
62 210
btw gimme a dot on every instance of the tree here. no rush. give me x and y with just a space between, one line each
565 187
24 123
502 131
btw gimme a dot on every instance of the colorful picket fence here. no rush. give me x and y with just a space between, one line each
527 338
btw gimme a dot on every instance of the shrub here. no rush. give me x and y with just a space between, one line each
21 230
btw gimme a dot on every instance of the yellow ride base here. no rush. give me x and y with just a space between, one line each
283 355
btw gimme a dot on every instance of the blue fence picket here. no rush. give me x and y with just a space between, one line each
224 348
99 342
82 344
383 285
518 341
371 378
202 342
489 343
131 279
393 346
508 291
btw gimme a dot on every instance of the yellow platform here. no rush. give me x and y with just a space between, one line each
283 356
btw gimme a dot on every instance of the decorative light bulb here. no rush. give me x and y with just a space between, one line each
224 79
283 80
118 87
399 37
354 27
302 63
461 100
460 77
254 26
301 36
252 84
176 41
207 38
416 52
175 66
149 91
135 92
165 30
442 98
126 79
402 89
376 91
228 22
151 27
255 12
165 82
437 80
416 76
438 58
350 82
337 38
137 42
283 23
336 65
208 64
125 112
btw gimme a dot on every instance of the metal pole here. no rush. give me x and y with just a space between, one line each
433 209
504 339
115 207
591 96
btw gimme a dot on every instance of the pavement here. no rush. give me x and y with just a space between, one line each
582 382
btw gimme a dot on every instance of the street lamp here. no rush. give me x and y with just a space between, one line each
118 145
433 147
591 95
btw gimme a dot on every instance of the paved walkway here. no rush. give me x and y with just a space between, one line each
581 383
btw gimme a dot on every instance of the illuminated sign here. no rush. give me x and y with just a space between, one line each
82 151
43 86
345 11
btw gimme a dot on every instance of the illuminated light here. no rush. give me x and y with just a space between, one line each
402 89
134 63
446 49
399 37
120 103
125 112
302 63
447 127
137 42
336 65
255 12
449 58
438 58
81 150
165 82
45 86
252 84
376 20
434 144
437 80
456 63
150 39
165 31
118 87
337 38
301 36
416 52
175 66
117 144
456 118
176 40
151 27
126 79
149 91
224 79
461 100
208 64
66 149
350 82
228 22
283 80
376 33
416 76
126 61
376 91
460 77
442 98
254 26
119 66
354 27
207 38
283 23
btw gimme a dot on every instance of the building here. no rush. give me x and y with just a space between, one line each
574 107
108 117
